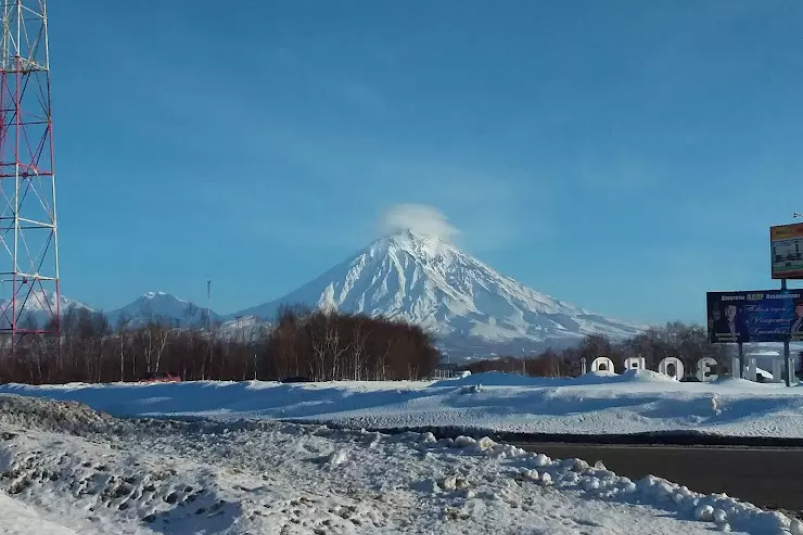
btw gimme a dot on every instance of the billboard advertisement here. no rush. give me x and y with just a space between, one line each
786 243
755 316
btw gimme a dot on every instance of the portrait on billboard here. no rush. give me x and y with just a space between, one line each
796 329
729 325
755 316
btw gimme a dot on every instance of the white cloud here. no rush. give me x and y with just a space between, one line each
419 218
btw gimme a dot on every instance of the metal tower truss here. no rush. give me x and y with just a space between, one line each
29 263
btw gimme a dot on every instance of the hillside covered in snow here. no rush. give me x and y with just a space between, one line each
469 306
161 306
37 307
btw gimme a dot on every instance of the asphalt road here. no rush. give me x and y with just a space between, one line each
767 477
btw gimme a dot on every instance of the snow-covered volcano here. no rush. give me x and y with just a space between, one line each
470 307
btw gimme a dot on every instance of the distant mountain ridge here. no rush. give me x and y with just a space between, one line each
161 306
470 308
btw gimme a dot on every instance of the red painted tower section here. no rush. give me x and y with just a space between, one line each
30 301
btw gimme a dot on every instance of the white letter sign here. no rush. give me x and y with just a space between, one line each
671 367
635 363
602 364
705 368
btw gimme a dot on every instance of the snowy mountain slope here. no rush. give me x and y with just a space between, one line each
471 309
158 306
428 281
164 307
39 306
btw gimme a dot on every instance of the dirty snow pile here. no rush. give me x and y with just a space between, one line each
596 403
66 469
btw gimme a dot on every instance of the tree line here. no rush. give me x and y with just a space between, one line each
316 345
302 344
687 342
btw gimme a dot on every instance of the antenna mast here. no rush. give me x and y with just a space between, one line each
29 260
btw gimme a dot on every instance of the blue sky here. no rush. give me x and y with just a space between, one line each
626 156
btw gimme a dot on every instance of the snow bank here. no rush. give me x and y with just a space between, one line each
144 476
591 378
18 519
601 403
65 417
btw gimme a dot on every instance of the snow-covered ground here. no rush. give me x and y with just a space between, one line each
593 404
67 469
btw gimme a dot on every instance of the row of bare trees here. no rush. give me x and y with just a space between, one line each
328 346
687 342
318 345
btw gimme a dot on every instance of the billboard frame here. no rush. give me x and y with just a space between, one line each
755 316
786 247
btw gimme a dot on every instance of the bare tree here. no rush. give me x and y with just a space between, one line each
359 338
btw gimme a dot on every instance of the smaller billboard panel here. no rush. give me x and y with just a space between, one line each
755 316
786 243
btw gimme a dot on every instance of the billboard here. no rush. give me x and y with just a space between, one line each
786 243
755 316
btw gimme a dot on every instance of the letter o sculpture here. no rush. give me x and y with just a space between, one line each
602 364
668 362
635 363
704 366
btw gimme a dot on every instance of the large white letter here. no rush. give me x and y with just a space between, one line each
777 370
671 367
602 364
750 371
736 371
704 366
635 363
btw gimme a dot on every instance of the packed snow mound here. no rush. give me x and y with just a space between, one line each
429 282
591 378
142 477
645 376
45 415
495 379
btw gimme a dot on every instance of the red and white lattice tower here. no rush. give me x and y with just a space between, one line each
29 260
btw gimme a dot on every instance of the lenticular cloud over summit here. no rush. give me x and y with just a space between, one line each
419 218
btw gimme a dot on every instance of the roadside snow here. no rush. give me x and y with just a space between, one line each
592 404
18 519
64 467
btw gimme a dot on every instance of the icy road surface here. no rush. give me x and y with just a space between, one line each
65 469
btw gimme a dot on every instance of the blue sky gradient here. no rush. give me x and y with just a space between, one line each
626 156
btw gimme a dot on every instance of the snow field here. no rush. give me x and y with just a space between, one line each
90 473
599 403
